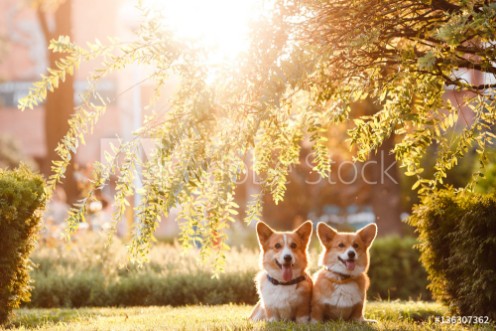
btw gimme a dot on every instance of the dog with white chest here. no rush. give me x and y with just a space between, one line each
283 285
340 287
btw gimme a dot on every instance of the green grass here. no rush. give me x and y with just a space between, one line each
390 316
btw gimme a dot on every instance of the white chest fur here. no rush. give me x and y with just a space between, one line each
344 295
279 297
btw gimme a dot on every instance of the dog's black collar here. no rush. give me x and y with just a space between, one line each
291 282
343 276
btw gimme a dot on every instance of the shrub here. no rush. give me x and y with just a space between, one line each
86 274
395 270
21 199
141 289
458 249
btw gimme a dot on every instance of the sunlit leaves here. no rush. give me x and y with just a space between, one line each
254 208
64 66
427 61
402 56
320 148
309 66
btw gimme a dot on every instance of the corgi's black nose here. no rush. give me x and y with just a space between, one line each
351 254
288 258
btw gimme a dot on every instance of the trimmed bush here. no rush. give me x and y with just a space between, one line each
87 275
458 249
395 270
22 197
142 289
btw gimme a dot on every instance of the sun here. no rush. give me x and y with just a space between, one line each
220 25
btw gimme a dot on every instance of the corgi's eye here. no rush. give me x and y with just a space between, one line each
355 245
278 246
341 245
293 246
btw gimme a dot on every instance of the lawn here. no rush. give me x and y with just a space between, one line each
390 316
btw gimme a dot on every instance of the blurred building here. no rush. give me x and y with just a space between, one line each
25 59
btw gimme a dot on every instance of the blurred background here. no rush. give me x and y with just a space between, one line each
354 195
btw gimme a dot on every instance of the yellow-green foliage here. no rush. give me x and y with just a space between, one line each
22 196
458 249
310 61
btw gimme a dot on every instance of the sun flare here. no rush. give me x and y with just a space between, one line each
220 25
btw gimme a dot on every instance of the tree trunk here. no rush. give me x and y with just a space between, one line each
386 192
59 104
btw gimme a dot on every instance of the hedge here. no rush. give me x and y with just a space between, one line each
457 233
395 270
142 289
22 197
68 281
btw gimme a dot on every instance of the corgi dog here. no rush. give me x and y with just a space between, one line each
283 285
340 287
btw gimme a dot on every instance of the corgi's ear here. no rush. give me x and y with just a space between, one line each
263 233
325 234
368 234
305 232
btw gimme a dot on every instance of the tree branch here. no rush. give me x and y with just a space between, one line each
444 6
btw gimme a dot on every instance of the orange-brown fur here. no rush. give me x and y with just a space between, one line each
283 302
340 293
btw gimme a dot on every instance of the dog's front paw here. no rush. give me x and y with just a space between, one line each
314 321
364 320
303 319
